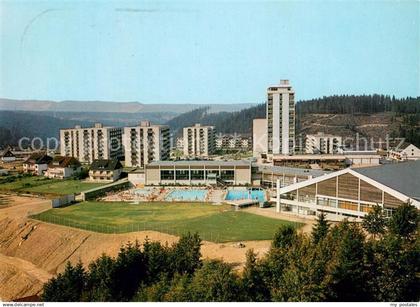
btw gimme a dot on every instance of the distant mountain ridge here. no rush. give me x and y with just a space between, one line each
114 107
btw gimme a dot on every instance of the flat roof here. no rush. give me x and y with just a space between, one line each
403 177
290 170
200 162
309 157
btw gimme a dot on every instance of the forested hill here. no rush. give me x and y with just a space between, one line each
403 113
362 104
226 122
15 125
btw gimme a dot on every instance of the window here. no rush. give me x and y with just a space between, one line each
348 205
197 175
328 202
227 175
167 175
216 172
182 175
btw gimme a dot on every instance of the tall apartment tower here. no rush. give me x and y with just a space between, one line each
281 119
199 141
88 144
146 143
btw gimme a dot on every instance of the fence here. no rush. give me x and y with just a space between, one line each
219 236
93 193
163 229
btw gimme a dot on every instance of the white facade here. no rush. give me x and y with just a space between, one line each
35 169
409 152
146 143
105 176
259 136
62 172
199 141
137 178
88 144
322 143
281 119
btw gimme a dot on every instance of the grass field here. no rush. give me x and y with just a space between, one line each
213 223
43 185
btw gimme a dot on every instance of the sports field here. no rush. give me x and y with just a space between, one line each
213 223
43 185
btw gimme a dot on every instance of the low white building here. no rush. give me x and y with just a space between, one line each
63 167
405 152
36 164
362 158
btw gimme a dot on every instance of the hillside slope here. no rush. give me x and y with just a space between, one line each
369 115
15 125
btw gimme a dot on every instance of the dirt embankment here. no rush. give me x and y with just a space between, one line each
32 252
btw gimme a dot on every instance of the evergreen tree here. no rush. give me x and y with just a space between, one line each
397 265
253 283
129 272
157 260
179 290
405 221
67 286
100 280
215 282
320 229
374 222
346 270
185 258
284 237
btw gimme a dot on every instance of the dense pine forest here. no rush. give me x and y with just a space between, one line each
378 260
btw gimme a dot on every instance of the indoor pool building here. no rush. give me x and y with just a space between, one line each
198 173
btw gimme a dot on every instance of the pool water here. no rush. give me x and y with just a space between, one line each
189 195
246 194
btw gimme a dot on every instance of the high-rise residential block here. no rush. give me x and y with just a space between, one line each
88 144
146 143
199 141
281 119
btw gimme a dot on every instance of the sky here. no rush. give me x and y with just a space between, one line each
206 51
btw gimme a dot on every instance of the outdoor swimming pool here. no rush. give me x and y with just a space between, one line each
246 194
189 195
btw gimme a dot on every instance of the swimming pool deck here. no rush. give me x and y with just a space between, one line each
242 203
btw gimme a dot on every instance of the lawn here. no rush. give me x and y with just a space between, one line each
43 185
213 223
